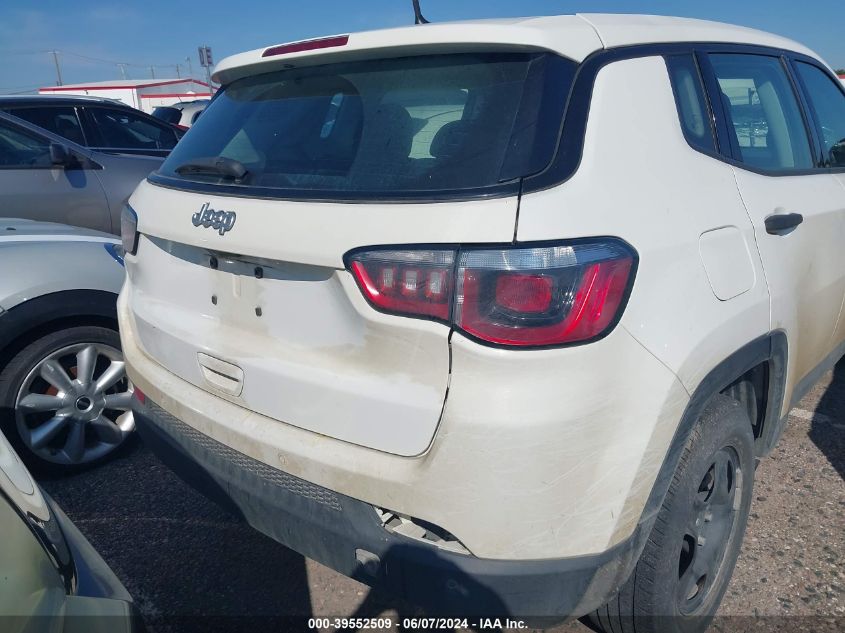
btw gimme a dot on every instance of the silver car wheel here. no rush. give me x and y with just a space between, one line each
74 406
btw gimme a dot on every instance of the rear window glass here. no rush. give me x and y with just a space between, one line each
406 126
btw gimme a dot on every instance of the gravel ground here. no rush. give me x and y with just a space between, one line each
191 566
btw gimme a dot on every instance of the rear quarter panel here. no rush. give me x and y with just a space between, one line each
641 181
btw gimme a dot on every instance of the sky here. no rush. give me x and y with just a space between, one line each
92 36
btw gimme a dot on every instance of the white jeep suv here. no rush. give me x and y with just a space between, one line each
497 315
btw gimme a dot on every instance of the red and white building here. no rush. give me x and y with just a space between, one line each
144 94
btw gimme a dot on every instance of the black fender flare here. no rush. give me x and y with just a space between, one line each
770 349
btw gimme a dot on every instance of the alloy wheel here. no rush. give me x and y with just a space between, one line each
74 406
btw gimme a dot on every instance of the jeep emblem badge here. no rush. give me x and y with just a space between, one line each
223 221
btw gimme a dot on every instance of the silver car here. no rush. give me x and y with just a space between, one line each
64 397
46 177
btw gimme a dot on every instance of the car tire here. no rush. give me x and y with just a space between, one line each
46 406
687 562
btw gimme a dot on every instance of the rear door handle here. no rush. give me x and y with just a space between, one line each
781 223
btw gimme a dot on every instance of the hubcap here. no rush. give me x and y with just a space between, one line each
74 406
708 531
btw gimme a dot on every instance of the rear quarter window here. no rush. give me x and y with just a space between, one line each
693 109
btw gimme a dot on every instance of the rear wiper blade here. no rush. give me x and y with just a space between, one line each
214 165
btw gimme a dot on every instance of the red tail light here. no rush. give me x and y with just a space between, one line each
526 297
524 293
413 283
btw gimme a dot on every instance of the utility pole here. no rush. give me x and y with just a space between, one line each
190 67
153 72
122 70
58 70
178 74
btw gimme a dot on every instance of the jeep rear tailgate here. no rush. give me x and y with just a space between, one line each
265 315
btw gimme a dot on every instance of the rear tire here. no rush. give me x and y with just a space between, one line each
686 565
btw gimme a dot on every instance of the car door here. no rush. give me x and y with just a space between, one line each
825 97
122 130
796 208
32 187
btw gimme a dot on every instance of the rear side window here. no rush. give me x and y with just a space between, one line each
61 120
762 112
123 129
380 128
692 104
827 101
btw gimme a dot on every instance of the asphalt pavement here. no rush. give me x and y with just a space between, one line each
193 567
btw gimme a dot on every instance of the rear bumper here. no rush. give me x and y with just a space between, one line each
539 455
346 535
